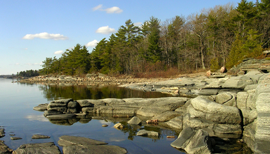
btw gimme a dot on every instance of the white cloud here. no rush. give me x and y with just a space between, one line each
58 52
92 43
105 30
114 9
97 7
32 64
45 35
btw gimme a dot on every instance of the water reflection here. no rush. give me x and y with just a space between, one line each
54 92
131 130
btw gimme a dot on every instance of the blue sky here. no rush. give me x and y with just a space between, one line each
31 30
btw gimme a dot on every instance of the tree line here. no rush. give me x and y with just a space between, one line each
215 37
28 73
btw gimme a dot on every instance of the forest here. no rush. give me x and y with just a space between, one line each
210 39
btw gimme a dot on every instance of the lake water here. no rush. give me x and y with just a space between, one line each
18 117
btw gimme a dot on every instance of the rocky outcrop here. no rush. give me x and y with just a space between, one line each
225 108
2 132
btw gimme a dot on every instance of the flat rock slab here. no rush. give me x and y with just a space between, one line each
94 149
38 148
38 136
4 149
147 133
76 140
41 107
82 145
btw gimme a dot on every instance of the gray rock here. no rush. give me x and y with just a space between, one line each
147 133
4 149
41 107
214 129
226 98
150 111
91 103
135 121
59 103
238 82
248 116
166 116
250 87
242 100
38 148
39 136
209 110
176 123
195 142
72 104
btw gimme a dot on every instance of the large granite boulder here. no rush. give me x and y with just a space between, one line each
193 141
212 111
48 148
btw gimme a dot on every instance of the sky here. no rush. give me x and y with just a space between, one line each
31 30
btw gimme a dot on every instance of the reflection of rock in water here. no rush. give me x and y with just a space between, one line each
67 122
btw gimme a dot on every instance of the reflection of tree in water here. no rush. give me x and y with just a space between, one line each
83 92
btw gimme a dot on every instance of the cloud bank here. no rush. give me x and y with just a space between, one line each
92 43
111 10
105 30
45 35
58 52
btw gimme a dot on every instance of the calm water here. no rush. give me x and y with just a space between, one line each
18 117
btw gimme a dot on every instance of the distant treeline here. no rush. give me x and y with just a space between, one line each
219 36
28 73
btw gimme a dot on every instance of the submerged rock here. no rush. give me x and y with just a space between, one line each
39 136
